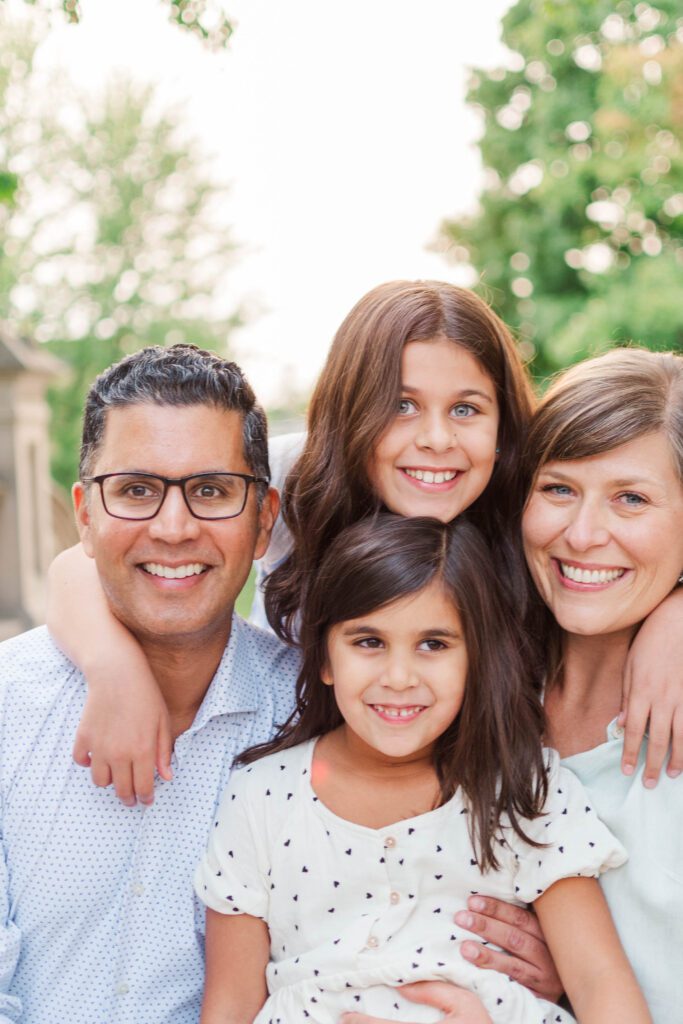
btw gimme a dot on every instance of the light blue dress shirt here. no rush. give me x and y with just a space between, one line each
100 924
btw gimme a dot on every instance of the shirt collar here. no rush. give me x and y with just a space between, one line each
234 688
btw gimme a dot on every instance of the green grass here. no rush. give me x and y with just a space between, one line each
243 603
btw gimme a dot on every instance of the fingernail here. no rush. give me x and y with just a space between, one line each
673 773
476 903
649 783
627 769
129 803
465 919
469 952
146 800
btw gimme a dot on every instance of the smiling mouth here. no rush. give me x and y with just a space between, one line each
589 576
398 714
177 572
428 476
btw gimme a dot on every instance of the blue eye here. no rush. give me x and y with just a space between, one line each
405 407
463 410
559 490
632 499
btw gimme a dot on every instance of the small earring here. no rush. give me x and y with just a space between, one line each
680 578
498 453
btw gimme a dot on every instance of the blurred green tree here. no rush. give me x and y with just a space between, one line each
578 237
115 235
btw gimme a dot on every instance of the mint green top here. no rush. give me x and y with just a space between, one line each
645 895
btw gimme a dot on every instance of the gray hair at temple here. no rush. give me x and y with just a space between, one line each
605 402
182 375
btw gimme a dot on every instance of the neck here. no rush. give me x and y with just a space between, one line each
586 698
184 669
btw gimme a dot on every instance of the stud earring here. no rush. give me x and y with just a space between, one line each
498 453
680 578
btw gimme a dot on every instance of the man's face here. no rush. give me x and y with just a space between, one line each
173 441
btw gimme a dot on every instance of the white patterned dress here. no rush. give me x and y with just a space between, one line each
354 912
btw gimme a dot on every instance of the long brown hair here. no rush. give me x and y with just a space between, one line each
493 747
590 409
354 402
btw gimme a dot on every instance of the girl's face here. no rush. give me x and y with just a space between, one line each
438 455
399 674
603 536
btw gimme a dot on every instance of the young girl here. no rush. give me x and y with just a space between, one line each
422 408
411 775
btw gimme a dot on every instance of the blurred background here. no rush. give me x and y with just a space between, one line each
237 174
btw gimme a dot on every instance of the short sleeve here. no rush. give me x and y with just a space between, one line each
575 841
231 877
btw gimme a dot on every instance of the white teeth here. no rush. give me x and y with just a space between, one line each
577 575
428 477
398 712
179 572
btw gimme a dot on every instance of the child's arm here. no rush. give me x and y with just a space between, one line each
237 952
460 1006
653 688
591 962
125 728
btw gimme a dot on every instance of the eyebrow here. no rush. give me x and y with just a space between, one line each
626 481
470 393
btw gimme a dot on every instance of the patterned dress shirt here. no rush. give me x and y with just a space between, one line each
100 924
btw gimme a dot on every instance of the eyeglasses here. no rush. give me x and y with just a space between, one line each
141 495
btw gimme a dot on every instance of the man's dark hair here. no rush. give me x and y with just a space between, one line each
181 375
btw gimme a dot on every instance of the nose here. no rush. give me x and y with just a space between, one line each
587 527
173 522
399 672
436 432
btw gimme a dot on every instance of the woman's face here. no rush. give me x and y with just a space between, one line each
438 454
603 536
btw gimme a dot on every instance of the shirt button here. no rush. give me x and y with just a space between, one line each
389 843
395 897
373 943
122 989
138 889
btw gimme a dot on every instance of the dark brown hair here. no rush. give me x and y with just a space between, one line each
590 409
355 401
493 748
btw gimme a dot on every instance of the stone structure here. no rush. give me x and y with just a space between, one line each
27 537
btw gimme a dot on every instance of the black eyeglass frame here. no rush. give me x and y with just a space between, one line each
180 482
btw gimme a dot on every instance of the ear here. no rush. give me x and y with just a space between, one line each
266 521
82 513
326 674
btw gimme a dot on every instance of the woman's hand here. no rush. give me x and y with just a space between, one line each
125 732
653 690
526 958
458 1005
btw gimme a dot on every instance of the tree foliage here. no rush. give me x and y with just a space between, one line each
578 237
115 236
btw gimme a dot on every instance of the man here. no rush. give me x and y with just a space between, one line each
173 504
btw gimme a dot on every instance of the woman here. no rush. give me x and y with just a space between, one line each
603 538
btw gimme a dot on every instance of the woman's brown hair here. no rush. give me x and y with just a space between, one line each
493 747
355 401
590 409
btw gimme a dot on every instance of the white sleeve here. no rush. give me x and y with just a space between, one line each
575 841
283 452
232 876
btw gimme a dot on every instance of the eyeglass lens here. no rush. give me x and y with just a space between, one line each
136 496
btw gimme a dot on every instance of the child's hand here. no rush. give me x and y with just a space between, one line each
459 1006
653 689
526 958
124 733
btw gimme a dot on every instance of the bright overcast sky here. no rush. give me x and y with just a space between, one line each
343 131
